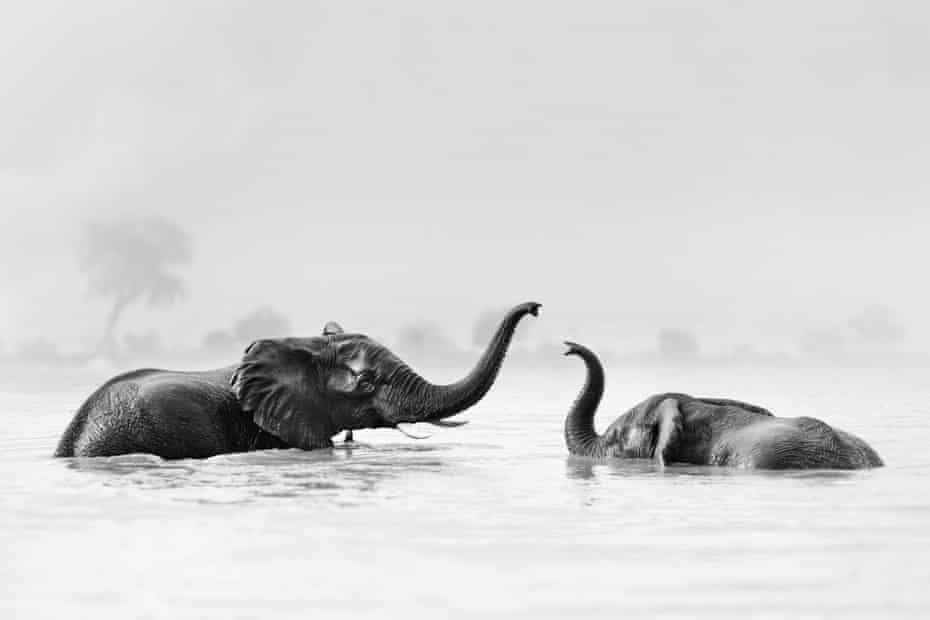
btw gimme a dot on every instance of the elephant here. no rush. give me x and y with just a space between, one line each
678 428
283 393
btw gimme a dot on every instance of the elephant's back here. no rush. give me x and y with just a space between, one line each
794 443
840 449
161 412
860 453
118 392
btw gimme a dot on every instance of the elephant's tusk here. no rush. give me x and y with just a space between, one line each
411 436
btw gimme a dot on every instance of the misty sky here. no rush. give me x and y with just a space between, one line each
748 171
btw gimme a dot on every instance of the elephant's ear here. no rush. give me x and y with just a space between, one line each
332 328
278 384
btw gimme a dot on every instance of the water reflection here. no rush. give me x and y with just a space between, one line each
342 475
583 468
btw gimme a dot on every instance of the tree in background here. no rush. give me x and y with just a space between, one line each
677 344
129 260
876 325
263 322
827 344
428 340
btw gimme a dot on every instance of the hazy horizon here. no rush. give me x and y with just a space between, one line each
755 178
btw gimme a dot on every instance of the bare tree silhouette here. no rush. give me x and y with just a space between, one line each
128 260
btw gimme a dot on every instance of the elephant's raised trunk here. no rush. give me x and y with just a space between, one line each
580 436
422 401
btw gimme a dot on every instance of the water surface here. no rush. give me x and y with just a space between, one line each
491 519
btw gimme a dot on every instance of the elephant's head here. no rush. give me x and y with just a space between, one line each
305 390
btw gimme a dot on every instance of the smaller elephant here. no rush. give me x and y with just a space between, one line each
678 428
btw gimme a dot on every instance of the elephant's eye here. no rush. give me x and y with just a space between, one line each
365 381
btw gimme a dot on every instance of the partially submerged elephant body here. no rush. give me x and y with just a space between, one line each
673 427
284 393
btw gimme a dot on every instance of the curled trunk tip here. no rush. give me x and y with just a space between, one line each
579 350
529 307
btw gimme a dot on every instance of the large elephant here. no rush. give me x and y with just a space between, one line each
284 393
674 427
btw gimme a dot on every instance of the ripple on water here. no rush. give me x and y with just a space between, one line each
346 473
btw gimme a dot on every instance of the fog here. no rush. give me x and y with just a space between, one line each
674 183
